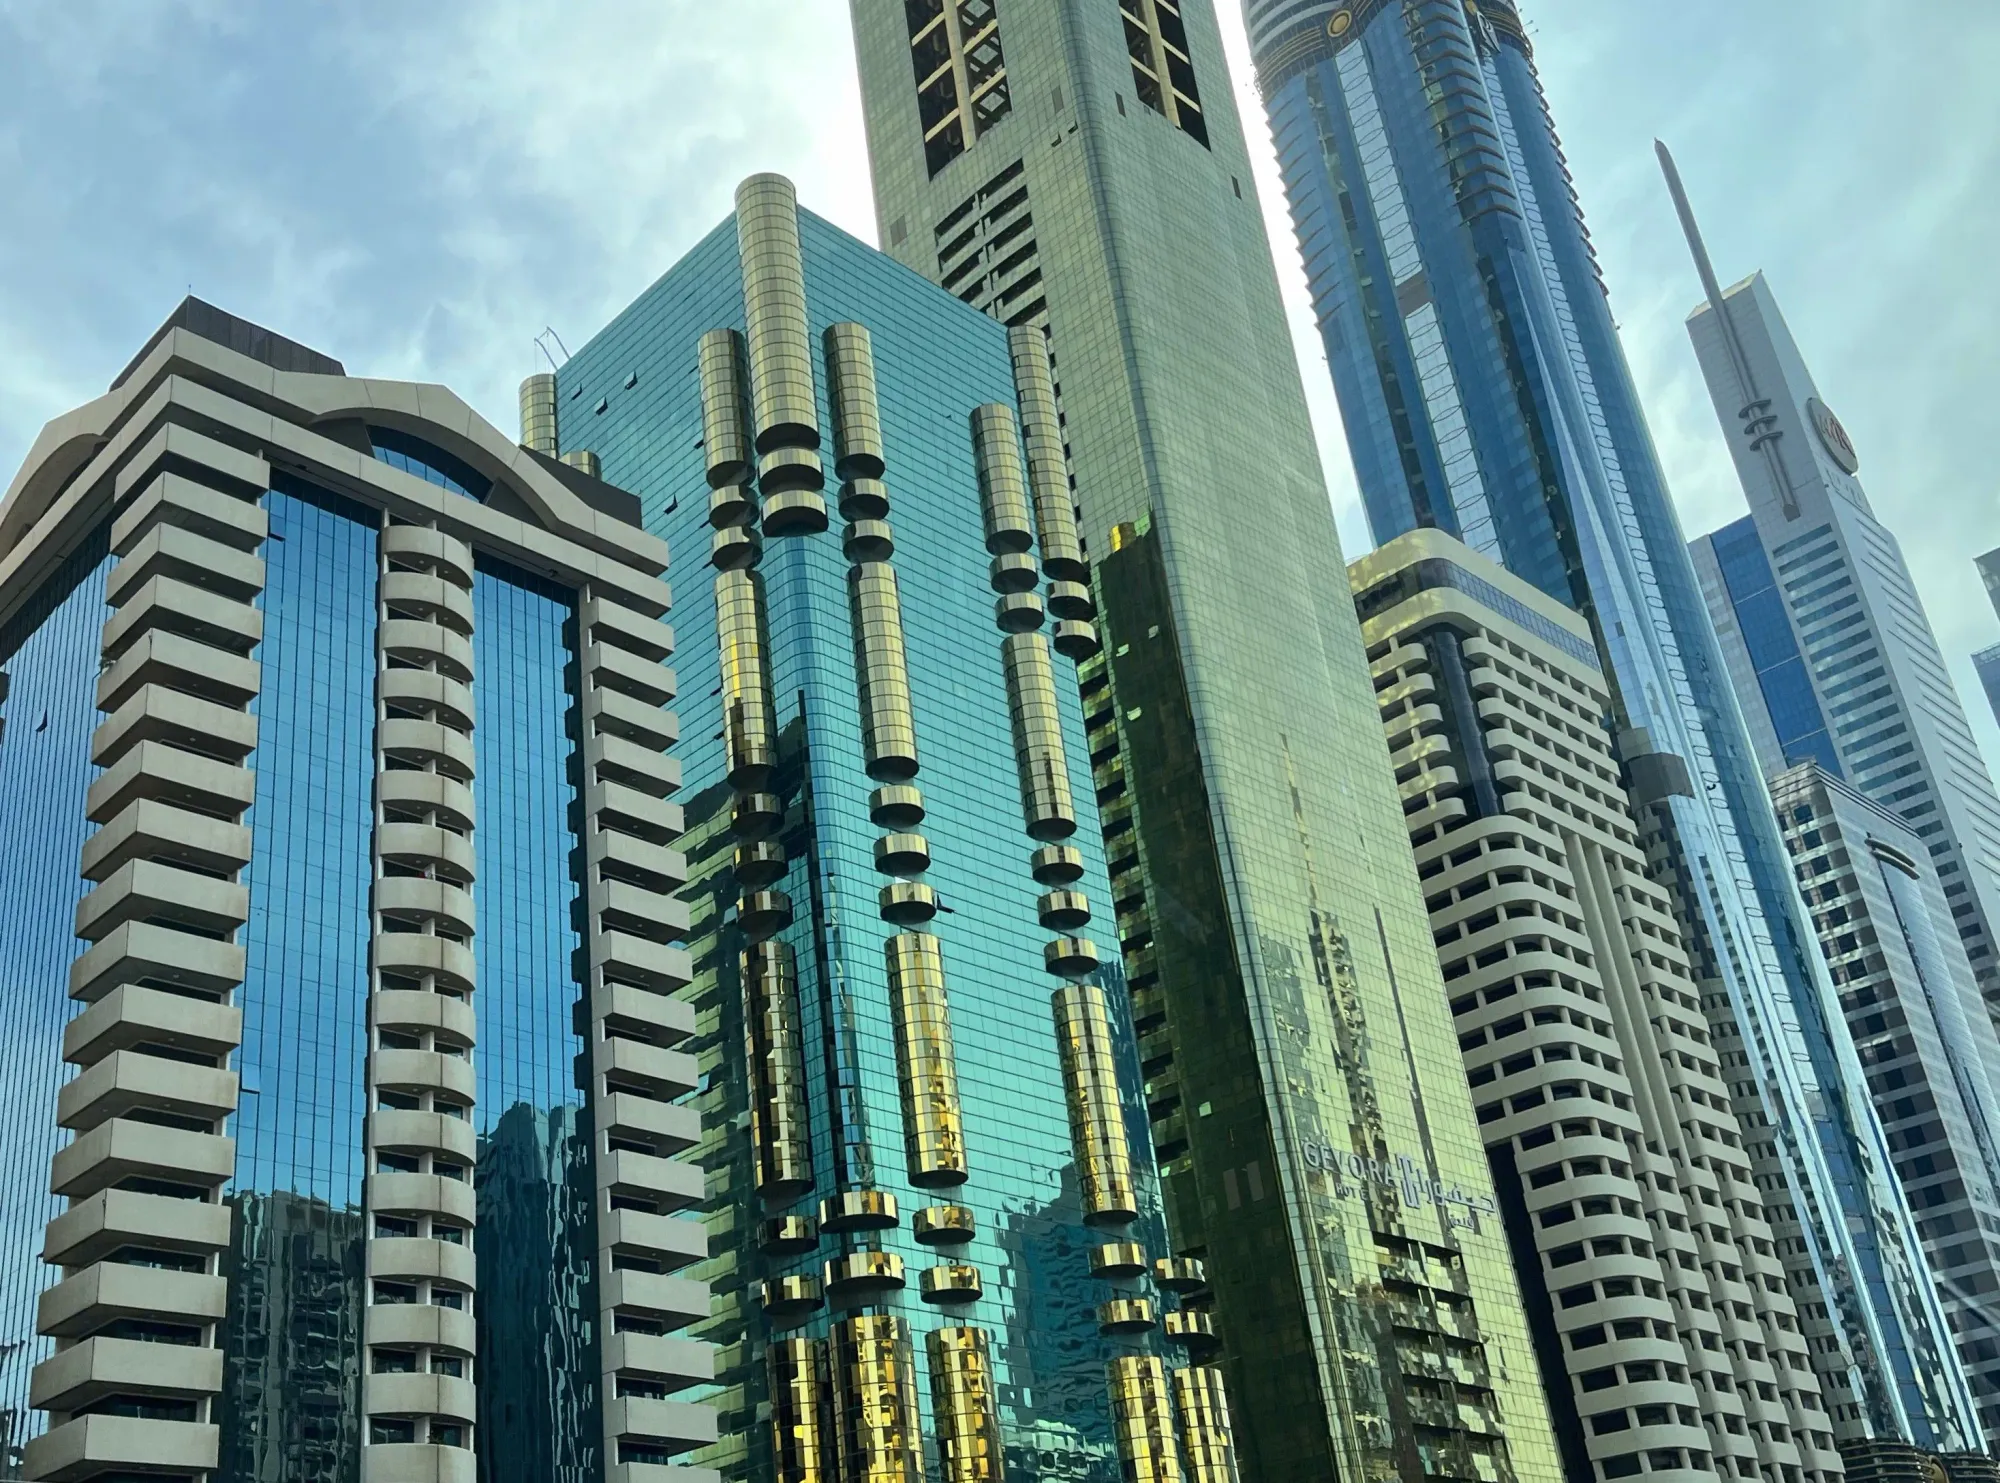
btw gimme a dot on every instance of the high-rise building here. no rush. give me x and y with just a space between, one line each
343 1071
1930 1051
1484 393
1826 640
1669 1340
935 1229
1077 167
1986 664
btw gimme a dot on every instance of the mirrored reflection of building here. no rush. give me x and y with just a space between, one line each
933 1251
351 1057
1886 925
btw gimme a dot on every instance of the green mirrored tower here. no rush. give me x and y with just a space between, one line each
1076 168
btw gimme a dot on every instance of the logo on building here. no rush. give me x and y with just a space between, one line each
1832 436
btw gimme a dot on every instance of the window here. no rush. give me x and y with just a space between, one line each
1162 72
429 462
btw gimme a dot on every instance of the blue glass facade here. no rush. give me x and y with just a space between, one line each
936 360
291 1396
1782 677
49 656
539 1419
1484 392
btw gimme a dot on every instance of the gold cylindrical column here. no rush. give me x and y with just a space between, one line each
1096 1114
857 417
1003 488
584 459
933 1123
774 300
1145 1422
779 1126
963 1416
874 1400
1046 803
725 409
1048 469
888 729
747 727
799 1453
538 413
1207 1445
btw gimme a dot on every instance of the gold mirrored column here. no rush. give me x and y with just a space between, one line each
933 1124
1096 1118
748 733
857 422
1208 1448
1048 470
1146 1442
779 1126
874 1400
1046 803
799 1451
783 400
889 729
538 413
1003 488
725 409
963 1416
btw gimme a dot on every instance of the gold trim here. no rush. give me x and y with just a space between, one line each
1203 1402
860 1272
888 727
725 408
799 1451
1117 1260
944 1225
951 1283
750 739
1096 1115
780 1126
858 1210
857 422
933 1122
1125 1316
538 413
874 1400
1003 488
774 301
1048 468
1146 1441
1046 805
963 1413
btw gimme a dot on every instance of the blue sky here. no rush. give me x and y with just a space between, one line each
419 188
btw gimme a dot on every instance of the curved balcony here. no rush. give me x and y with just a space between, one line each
1075 639
422 1071
397 1131
419 1325
421 1194
445 798
428 745
422 595
427 902
450 964
393 1394
415 1259
444 699
429 550
428 645
868 540
864 499
427 847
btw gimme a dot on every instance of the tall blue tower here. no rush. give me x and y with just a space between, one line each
1484 393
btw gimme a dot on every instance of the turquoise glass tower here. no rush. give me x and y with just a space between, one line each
935 1233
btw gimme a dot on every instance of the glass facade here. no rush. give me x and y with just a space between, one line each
1782 678
49 652
935 361
537 1235
1484 392
292 1340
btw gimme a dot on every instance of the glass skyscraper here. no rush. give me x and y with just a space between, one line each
1484 393
935 1234
1077 169
344 1081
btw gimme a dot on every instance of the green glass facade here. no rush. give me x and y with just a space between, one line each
1309 1105
818 1109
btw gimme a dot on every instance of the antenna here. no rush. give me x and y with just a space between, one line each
541 343
1760 424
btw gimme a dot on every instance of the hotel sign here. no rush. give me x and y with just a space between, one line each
1398 1174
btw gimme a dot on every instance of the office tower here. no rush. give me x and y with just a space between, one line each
1668 1339
1484 393
1078 168
1885 924
1825 637
1986 663
347 711
935 1234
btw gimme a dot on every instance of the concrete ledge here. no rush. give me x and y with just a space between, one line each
620 906
419 1009
129 1081
677 1425
634 960
86 1373
415 1462
426 690
153 770
430 548
141 950
642 1472
677 1363
406 1325
423 1132
98 1295
392 1394
417 1258
431 599
187 722
113 1152
606 622
427 741
151 830
643 815
90 1446
644 725
423 1070
145 891
674 1241
414 953
174 499
673 1127
427 790
422 1194
180 663
201 456
416 899
671 1185
423 642
666 1073
612 759
132 1015
180 608
111 1219
661 868
644 680
189 557
426 846
624 1009
673 1301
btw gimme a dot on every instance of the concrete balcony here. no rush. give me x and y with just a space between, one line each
615 713
652 1069
129 1081
674 1302
132 1015
112 1219
634 960
653 865
114 1152
428 645
620 669
673 1241
450 964
178 607
427 847
622 628
140 950
444 698
413 899
188 557
397 1131
416 1259
179 663
446 797
423 1071
185 722
174 499
417 1462
98 1446
151 830
211 461
152 770
643 815
421 1194
145 891
640 1472
418 1395
612 759
97 1296
422 595
432 550
671 1127
86 1373
414 1325
674 1426
428 744
668 1185
625 1009
674 1363
417 1010
621 906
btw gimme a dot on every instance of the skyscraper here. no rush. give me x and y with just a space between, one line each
1078 168
1668 1338
935 1232
1484 394
1824 635
348 710
1930 1051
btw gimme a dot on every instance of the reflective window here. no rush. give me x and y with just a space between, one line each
291 1396
429 462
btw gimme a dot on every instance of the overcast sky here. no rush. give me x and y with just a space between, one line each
420 186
